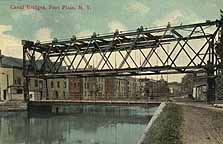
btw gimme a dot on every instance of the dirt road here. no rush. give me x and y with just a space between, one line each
202 126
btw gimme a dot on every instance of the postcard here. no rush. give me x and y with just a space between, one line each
111 72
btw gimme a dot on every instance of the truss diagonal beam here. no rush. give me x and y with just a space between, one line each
76 56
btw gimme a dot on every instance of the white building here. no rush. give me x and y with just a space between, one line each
93 88
11 78
200 87
12 83
58 89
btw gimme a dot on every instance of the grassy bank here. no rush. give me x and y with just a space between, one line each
166 128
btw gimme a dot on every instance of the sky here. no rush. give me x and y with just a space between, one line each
64 18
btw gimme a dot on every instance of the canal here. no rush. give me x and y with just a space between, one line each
87 124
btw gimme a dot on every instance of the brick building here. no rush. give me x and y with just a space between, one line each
75 88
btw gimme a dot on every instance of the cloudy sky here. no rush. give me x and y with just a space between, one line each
99 16
84 17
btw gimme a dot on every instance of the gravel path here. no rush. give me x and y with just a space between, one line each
202 125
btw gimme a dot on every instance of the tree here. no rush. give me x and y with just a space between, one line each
188 82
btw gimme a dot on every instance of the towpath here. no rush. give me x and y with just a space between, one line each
203 124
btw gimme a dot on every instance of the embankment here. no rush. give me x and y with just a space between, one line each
164 127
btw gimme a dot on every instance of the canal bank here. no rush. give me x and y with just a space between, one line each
165 126
185 123
13 106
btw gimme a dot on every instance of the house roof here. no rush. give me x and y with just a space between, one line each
10 62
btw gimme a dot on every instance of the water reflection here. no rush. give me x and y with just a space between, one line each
89 125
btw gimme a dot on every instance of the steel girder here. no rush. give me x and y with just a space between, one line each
166 50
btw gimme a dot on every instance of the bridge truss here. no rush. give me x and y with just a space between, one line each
164 50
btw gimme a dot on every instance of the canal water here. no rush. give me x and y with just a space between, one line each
84 125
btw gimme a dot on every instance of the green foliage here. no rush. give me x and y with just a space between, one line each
166 129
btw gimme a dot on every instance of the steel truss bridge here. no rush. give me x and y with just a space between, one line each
191 48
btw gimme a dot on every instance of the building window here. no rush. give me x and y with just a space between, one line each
65 84
41 84
51 84
19 80
64 94
58 84
36 83
19 91
57 95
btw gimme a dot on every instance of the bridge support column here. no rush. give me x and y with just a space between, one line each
211 73
46 87
26 90
211 83
26 68
26 79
